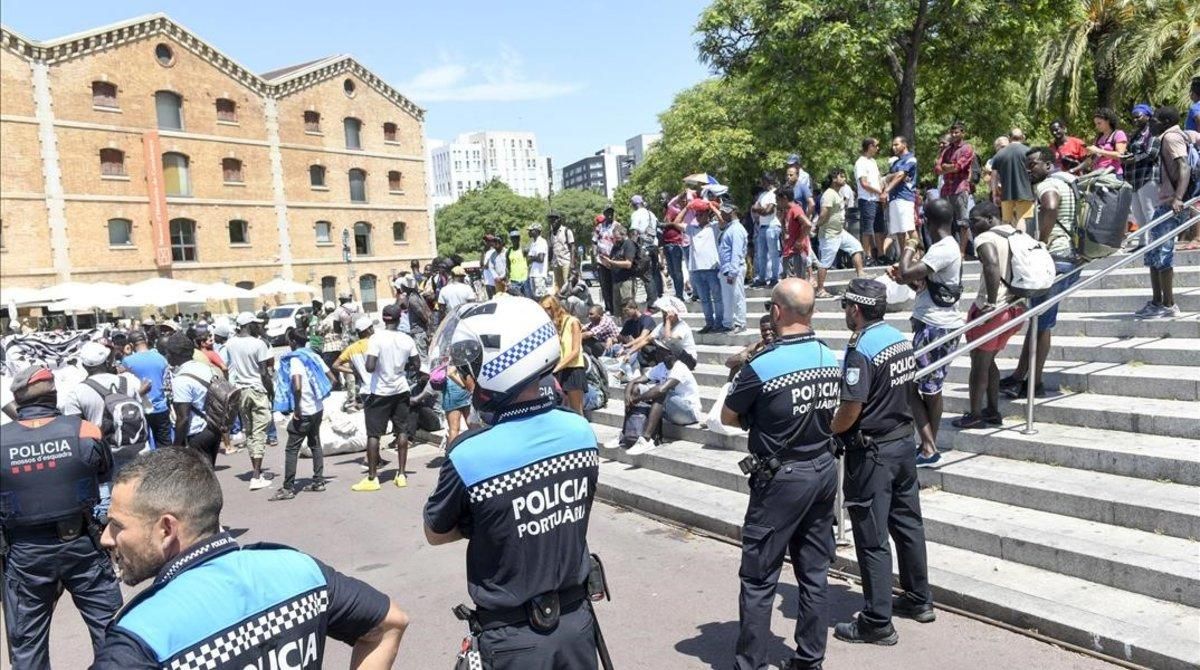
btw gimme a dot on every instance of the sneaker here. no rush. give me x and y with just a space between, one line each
283 494
1165 312
1151 308
855 632
257 483
992 419
904 606
720 330
969 422
614 443
705 330
1010 382
641 446
316 486
367 484
924 461
400 481
1022 391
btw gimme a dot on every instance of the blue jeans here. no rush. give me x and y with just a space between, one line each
1163 257
1049 319
766 251
674 254
708 287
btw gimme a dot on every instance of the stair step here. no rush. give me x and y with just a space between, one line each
1128 626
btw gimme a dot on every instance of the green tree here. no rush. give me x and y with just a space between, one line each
1163 53
494 208
579 209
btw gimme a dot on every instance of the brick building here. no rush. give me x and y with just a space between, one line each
138 149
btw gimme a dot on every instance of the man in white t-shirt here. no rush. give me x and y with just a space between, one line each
674 328
538 256
250 369
935 314
308 408
456 293
387 395
670 388
766 237
189 393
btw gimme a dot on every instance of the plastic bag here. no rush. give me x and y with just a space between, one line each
898 295
713 421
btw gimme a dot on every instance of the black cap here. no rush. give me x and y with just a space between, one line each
553 215
391 313
866 292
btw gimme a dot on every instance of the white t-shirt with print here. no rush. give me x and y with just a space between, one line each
945 263
687 389
391 349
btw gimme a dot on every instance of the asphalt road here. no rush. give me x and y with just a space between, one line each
675 593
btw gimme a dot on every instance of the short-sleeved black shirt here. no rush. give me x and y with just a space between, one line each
878 371
625 251
787 394
634 327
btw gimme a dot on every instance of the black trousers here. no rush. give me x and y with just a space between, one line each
572 644
36 571
160 427
307 429
882 497
792 512
606 288
654 280
207 442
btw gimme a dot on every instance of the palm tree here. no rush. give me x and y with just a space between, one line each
1092 36
1163 53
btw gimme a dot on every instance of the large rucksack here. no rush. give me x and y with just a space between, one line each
221 402
1103 202
124 427
596 392
1031 270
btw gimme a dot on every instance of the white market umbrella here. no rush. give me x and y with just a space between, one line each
284 286
17 295
164 284
100 295
223 291
58 292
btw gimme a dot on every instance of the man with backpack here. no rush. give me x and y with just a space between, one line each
150 366
1176 171
1055 206
189 395
304 383
644 226
958 167
112 402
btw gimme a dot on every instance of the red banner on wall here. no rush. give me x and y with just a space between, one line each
160 228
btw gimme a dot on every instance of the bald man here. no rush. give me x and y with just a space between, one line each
785 395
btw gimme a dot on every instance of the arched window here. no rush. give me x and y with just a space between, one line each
353 132
231 170
239 232
120 233
245 304
362 239
323 231
366 290
169 108
358 185
329 288
399 231
395 181
183 240
112 163
316 175
226 110
104 94
175 174
312 122
389 132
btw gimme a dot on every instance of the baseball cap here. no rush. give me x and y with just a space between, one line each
404 282
148 321
458 271
514 233
223 329
535 226
363 324
170 324
637 200
599 218
92 354
608 208
137 336
245 318
23 383
391 313
553 215
793 159
699 205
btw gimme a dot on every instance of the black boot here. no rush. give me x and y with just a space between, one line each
856 632
906 607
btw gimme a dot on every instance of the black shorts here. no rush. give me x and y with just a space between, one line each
378 410
572 379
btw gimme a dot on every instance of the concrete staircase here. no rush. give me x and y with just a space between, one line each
1085 532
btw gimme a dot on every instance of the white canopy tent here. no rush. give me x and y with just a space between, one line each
222 291
277 285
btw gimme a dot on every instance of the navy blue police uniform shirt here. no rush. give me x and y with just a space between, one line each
521 491
787 394
219 606
878 371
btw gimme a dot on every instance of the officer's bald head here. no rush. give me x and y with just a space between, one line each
793 302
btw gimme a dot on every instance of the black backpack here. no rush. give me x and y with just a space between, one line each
976 170
124 426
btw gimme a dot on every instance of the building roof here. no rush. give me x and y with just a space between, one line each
275 84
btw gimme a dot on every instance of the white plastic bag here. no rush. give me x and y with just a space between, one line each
898 295
713 421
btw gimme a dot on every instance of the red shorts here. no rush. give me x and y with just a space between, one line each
1002 317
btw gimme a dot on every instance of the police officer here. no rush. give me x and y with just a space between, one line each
520 491
50 466
881 489
786 395
215 605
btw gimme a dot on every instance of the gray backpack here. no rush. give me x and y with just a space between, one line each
124 426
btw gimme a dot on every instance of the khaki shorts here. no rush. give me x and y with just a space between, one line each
1014 212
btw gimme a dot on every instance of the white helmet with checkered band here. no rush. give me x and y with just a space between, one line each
505 345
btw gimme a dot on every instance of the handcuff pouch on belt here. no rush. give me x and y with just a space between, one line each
764 468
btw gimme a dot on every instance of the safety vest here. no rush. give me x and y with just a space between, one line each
44 477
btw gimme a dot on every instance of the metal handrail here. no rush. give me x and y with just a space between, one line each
982 318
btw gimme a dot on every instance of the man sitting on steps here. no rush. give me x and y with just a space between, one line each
670 388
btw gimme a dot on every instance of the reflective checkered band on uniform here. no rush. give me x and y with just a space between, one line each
801 376
897 348
521 349
220 651
531 473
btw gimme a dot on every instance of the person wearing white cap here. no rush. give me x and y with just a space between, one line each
644 226
455 293
538 255
87 398
250 369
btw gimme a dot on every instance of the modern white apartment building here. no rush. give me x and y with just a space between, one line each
474 159
600 172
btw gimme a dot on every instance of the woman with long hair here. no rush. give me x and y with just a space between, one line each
570 370
1108 151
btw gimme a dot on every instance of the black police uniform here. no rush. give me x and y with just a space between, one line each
521 491
881 487
786 396
49 481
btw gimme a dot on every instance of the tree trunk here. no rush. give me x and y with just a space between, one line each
1103 75
904 109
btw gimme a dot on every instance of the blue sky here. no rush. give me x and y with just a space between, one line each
580 74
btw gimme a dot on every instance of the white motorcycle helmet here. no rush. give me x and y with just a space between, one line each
505 345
